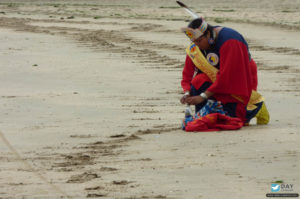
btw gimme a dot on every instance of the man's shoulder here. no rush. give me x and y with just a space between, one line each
227 34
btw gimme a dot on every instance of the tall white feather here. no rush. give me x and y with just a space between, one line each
191 12
194 15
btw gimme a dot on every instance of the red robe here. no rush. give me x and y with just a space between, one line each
237 76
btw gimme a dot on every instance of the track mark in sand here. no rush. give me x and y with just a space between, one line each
117 136
150 197
93 192
84 177
113 41
140 50
263 66
279 69
94 188
9 96
146 111
147 27
254 45
146 118
31 169
95 195
141 105
294 80
74 160
88 153
82 136
108 169
291 81
156 131
234 173
122 182
139 160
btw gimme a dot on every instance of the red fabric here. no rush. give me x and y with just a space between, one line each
214 122
235 74
187 74
188 78
254 74
197 81
200 79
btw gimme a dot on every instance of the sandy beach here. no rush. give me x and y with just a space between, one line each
89 99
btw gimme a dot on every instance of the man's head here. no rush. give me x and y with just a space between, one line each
199 32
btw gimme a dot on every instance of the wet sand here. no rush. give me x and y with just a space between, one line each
90 102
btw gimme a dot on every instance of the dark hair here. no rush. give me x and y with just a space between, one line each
196 23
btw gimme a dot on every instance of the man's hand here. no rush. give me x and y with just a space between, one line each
194 100
184 97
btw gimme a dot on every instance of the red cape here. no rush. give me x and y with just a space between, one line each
214 122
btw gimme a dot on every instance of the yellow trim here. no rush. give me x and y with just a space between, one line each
201 63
